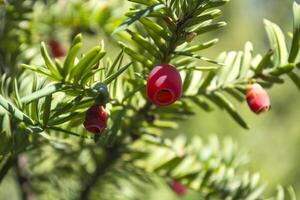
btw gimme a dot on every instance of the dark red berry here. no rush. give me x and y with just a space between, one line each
164 85
178 188
56 48
258 99
96 119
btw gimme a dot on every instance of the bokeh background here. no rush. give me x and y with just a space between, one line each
273 141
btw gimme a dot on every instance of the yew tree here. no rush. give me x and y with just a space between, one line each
87 121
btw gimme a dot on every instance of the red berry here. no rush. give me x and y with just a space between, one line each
57 49
178 188
258 99
164 85
96 119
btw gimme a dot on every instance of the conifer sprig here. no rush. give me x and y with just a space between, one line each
43 104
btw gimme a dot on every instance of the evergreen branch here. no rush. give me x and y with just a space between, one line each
73 51
196 56
138 15
241 68
44 92
296 36
167 39
12 15
68 132
49 63
15 112
211 169
109 79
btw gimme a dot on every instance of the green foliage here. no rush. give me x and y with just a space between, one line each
212 169
15 15
168 40
44 102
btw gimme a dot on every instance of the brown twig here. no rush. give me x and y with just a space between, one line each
112 155
23 178
6 167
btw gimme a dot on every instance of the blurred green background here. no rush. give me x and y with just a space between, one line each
273 141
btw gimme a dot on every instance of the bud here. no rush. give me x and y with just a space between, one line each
190 36
96 119
178 188
103 94
170 22
56 48
164 85
258 99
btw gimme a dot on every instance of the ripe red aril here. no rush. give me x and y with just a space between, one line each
164 85
96 119
178 188
56 48
258 99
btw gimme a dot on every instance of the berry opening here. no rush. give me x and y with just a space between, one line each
263 109
164 96
94 129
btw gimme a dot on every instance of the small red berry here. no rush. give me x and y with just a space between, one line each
96 119
178 188
258 99
164 85
56 48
